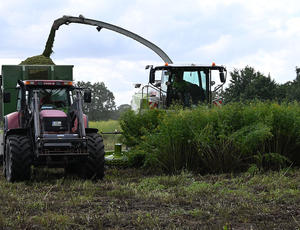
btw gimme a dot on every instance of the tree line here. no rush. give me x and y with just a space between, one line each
102 106
248 84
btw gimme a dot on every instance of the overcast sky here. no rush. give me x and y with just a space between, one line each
235 33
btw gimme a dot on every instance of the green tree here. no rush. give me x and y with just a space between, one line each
247 84
291 89
119 111
103 104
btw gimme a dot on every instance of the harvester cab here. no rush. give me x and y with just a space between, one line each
188 85
44 124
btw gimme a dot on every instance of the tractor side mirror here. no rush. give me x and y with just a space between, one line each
222 77
6 97
152 76
87 96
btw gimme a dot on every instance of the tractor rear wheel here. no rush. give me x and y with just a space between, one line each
94 164
18 158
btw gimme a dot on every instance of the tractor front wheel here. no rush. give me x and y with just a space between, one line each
94 164
18 158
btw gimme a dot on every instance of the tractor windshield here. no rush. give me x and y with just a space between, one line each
59 98
54 98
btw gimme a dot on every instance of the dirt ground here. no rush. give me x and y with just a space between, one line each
131 199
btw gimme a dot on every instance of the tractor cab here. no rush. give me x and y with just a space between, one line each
51 94
188 85
51 100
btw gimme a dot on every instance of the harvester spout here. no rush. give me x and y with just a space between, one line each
99 25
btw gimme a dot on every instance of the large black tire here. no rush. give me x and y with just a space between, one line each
18 158
94 164
73 169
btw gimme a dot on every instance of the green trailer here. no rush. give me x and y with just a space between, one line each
12 73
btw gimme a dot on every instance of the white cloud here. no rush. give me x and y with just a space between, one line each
9 61
235 33
118 75
274 63
124 97
213 49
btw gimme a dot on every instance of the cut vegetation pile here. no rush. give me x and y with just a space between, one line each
235 137
38 60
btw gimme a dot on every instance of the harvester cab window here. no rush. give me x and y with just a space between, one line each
191 77
164 76
189 86
203 80
179 88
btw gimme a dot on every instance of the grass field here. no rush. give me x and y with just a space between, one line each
135 199
131 199
107 126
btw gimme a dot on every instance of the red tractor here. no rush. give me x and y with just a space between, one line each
44 124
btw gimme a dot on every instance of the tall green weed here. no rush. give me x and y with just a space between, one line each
136 126
226 139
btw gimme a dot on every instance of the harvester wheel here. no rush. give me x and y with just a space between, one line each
18 158
94 165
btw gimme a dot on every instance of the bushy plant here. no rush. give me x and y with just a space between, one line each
231 138
135 126
136 158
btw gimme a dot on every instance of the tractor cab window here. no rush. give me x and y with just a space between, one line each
54 98
19 100
71 96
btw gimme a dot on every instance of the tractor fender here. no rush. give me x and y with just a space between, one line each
11 126
11 121
18 131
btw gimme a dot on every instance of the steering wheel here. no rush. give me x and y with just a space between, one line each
60 103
